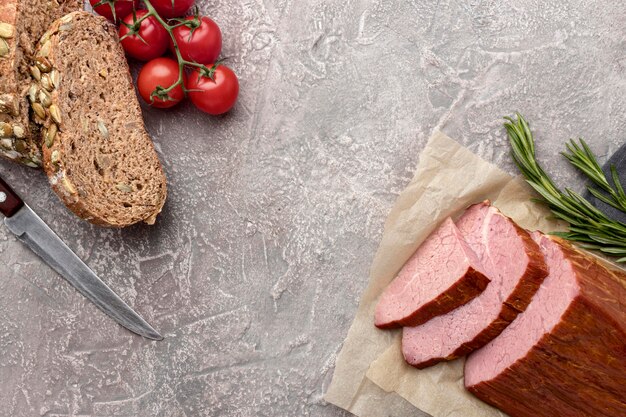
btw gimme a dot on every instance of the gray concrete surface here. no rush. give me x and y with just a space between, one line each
253 271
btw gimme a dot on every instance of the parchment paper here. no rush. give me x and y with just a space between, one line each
371 377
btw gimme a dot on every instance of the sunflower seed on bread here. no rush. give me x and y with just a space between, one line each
103 171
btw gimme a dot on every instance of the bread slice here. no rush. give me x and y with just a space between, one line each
22 22
96 151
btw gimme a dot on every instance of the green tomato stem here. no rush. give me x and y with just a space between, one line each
179 58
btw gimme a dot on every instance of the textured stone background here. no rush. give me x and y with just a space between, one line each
254 270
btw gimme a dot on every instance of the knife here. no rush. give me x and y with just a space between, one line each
35 234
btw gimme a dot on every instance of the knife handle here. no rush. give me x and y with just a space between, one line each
10 203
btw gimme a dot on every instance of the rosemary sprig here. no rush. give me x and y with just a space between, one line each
581 156
588 226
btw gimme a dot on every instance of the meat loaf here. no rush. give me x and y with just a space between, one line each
516 267
22 22
96 151
566 354
442 274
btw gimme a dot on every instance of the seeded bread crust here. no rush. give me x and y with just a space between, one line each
96 151
21 24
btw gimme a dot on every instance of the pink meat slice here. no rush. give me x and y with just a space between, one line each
566 354
516 267
442 274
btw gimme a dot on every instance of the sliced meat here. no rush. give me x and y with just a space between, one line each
516 267
442 274
565 355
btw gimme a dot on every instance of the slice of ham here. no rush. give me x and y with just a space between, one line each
516 267
565 355
442 274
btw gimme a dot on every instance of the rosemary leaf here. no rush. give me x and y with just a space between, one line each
618 185
602 197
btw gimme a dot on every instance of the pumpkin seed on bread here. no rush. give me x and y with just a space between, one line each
96 151
22 22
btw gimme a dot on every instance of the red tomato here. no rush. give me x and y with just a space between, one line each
171 8
202 44
156 75
122 8
214 96
146 42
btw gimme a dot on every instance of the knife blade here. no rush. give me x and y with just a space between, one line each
34 233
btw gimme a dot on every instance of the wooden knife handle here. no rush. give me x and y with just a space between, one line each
10 203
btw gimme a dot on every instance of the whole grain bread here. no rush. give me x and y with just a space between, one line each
22 22
96 151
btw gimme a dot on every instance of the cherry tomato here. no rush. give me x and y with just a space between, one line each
214 96
122 8
201 44
147 42
156 75
172 8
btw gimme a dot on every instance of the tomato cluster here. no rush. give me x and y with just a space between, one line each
194 43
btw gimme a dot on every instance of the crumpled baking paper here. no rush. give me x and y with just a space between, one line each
371 378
